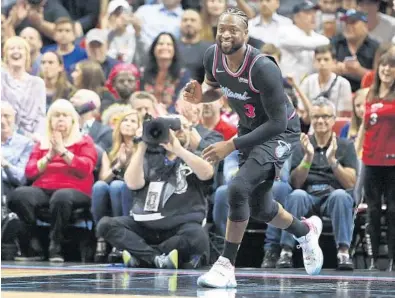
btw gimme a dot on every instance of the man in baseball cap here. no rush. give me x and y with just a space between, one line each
97 47
304 6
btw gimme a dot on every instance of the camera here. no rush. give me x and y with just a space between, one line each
157 131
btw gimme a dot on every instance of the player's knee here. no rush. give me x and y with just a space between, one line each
239 191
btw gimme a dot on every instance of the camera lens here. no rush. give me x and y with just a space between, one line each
155 133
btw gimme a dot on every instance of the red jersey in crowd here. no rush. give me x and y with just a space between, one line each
225 129
379 141
58 174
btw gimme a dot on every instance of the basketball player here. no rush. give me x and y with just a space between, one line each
268 129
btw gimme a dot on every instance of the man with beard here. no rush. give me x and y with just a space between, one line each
123 81
192 48
268 130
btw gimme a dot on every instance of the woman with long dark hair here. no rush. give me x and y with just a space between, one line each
57 84
377 135
163 74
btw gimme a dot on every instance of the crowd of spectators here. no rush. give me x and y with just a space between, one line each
79 79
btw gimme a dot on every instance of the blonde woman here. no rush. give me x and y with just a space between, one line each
25 93
108 191
61 167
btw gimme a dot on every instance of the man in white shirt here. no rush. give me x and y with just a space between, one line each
298 42
156 18
381 26
267 24
327 84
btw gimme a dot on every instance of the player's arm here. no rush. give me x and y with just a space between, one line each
267 78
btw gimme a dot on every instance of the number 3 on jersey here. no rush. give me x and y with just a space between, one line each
249 110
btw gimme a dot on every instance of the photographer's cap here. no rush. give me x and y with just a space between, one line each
354 15
96 34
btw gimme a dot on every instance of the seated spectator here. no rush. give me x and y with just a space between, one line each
381 26
97 48
65 36
165 228
101 134
323 173
61 167
110 116
192 47
154 18
350 130
367 79
124 39
297 42
327 84
354 49
33 37
15 151
124 79
163 75
146 103
56 83
89 75
107 191
25 93
211 115
267 24
40 16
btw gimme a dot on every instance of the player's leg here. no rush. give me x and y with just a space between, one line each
240 190
306 232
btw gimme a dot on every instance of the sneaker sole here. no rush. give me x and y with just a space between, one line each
204 284
56 260
173 256
28 259
320 254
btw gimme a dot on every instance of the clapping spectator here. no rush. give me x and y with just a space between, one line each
107 191
61 167
41 16
33 37
64 36
15 151
56 83
298 42
163 74
89 75
124 39
25 93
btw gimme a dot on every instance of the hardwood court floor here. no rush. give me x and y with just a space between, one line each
41 280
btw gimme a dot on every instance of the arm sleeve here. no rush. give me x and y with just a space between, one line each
267 78
17 172
84 161
208 61
31 170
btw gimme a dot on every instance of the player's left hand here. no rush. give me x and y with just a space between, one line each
218 151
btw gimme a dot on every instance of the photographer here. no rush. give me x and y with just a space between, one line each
169 202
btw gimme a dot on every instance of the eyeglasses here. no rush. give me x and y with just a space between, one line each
324 117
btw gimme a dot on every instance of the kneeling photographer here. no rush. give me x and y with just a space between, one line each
169 184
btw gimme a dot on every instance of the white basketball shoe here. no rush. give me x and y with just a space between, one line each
313 258
221 275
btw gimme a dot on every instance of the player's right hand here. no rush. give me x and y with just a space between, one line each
193 92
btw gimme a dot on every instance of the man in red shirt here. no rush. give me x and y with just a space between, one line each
211 114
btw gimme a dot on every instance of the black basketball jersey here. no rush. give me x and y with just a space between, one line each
244 98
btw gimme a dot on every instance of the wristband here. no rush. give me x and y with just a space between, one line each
305 165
